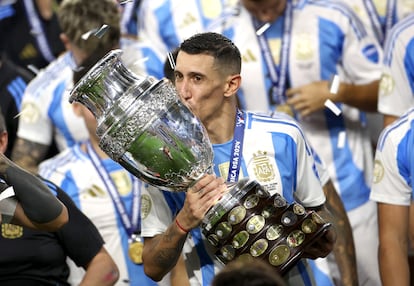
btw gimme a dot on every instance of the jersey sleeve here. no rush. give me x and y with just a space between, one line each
155 213
396 86
389 185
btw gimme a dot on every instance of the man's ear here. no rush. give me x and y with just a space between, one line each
233 85
65 40
77 108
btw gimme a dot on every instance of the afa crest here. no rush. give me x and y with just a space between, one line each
262 167
11 231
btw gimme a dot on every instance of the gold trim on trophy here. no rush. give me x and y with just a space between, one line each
240 239
255 224
289 218
228 252
251 201
295 238
274 232
236 215
309 226
223 230
279 255
259 247
279 201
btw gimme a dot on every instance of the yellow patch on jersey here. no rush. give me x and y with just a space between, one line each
30 113
11 231
211 8
386 85
146 205
378 172
303 48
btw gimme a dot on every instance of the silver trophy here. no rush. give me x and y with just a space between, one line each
144 126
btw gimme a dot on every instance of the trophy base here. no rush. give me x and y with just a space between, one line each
249 223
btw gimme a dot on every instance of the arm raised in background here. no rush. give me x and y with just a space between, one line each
36 206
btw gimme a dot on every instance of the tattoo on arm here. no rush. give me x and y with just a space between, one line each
28 154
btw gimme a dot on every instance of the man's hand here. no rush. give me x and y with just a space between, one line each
309 98
199 199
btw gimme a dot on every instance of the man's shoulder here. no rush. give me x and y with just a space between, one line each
57 72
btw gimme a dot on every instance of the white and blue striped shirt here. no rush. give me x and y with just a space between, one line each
276 154
394 163
396 93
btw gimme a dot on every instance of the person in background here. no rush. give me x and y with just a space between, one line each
380 16
207 78
32 256
30 32
104 191
13 82
392 189
25 200
46 115
163 25
293 52
342 259
396 93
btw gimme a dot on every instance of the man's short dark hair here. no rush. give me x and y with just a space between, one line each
224 51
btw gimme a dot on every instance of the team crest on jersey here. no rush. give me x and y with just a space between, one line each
387 84
11 231
122 182
262 167
211 8
304 47
381 7
146 205
30 112
378 171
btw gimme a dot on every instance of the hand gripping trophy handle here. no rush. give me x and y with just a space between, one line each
143 125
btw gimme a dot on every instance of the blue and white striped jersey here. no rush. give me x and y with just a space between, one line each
394 163
380 16
276 154
164 24
326 38
74 172
46 111
396 93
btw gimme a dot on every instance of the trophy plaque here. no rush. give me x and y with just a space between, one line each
143 125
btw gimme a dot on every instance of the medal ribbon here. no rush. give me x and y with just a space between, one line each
37 30
277 76
132 224
236 148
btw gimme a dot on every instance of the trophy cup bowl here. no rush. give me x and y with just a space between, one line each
143 125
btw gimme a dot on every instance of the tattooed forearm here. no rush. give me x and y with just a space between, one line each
28 154
344 249
162 252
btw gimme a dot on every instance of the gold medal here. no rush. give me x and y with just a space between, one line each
285 108
135 250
